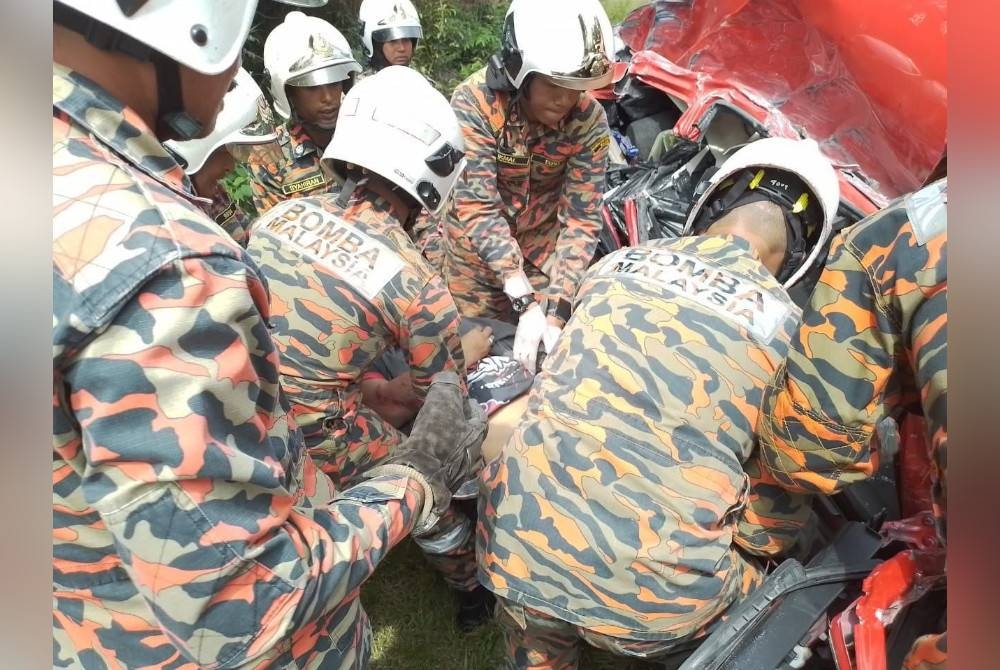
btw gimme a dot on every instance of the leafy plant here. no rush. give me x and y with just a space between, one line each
458 39
237 185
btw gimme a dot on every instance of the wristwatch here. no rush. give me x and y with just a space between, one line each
522 304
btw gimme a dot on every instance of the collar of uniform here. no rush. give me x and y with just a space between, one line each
118 128
300 144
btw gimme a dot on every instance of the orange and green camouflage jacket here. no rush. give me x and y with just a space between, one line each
346 284
529 193
288 167
873 341
615 504
189 528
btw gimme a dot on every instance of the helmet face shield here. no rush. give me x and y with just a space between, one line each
397 33
333 74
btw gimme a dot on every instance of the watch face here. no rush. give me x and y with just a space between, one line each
522 303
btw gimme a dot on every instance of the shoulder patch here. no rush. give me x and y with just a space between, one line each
361 261
927 210
734 298
601 143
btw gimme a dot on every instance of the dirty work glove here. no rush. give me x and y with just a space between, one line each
530 328
444 449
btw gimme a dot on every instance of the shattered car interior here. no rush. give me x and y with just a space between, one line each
697 80
693 77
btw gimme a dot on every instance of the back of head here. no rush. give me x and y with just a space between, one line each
794 175
384 21
306 51
398 126
203 35
569 41
245 118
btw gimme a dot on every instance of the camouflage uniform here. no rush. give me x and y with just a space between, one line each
530 199
189 527
289 167
615 504
873 343
229 216
346 285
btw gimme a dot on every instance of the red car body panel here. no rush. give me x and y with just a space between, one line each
864 79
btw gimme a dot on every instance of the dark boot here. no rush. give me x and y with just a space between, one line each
475 608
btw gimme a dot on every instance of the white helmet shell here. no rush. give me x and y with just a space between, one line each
387 20
245 118
305 51
395 124
570 41
802 158
204 35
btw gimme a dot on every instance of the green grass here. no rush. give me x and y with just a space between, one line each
412 614
619 9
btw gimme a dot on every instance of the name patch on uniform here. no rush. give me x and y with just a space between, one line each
361 261
547 162
303 184
601 143
730 296
515 160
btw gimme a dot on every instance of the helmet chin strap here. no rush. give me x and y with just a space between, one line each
172 121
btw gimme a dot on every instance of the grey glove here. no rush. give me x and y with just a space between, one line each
444 446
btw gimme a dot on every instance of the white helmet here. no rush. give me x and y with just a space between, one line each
806 188
205 35
387 20
569 41
395 124
245 118
305 51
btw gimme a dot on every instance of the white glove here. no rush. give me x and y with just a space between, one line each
517 285
530 328
550 336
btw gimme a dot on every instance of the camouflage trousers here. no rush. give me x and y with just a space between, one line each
929 652
474 289
534 640
363 440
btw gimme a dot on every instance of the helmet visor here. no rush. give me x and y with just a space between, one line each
330 74
397 33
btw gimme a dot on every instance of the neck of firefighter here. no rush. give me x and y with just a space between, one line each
126 79
762 225
403 206
134 83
